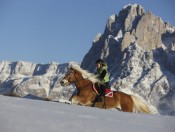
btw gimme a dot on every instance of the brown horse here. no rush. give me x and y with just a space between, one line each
86 95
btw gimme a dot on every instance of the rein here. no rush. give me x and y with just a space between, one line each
80 80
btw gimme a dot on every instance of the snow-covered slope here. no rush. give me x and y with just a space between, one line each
24 115
30 80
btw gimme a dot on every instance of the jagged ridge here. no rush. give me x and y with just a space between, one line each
139 49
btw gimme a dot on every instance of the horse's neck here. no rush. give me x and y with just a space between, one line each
85 89
82 84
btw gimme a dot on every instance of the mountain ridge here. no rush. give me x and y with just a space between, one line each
139 49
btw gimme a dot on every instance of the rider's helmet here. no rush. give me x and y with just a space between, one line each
100 61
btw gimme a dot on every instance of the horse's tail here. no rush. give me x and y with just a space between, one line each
140 105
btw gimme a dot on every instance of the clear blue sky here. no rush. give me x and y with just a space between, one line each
42 31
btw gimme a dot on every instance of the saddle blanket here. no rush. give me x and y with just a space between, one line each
108 92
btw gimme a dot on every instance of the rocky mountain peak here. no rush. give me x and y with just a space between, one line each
125 20
132 13
139 49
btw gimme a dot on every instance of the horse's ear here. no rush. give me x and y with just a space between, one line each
70 68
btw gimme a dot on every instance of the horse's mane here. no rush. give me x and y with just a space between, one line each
85 74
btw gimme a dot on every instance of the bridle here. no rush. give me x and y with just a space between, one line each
71 73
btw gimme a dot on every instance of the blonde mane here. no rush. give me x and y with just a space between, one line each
86 75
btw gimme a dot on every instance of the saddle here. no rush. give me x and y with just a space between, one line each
108 91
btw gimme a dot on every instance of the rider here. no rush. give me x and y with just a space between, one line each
103 75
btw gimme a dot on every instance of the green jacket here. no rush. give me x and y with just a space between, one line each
99 72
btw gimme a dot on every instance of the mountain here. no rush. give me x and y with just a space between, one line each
36 81
140 51
138 47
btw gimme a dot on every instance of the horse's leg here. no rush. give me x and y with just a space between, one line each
75 100
123 101
108 103
100 105
126 103
80 100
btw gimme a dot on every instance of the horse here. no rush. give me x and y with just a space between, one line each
84 82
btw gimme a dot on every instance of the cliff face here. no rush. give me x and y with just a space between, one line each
38 81
140 51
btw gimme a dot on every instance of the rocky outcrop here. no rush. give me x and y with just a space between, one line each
139 49
29 80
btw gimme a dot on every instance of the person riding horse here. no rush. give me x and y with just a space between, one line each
86 94
103 75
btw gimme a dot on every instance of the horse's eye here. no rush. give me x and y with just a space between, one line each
68 73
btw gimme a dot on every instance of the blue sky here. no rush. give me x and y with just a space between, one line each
42 31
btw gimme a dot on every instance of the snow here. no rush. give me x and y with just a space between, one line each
170 29
126 6
19 115
97 37
132 5
119 35
112 17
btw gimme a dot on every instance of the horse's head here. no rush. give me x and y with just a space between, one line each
75 74
70 77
